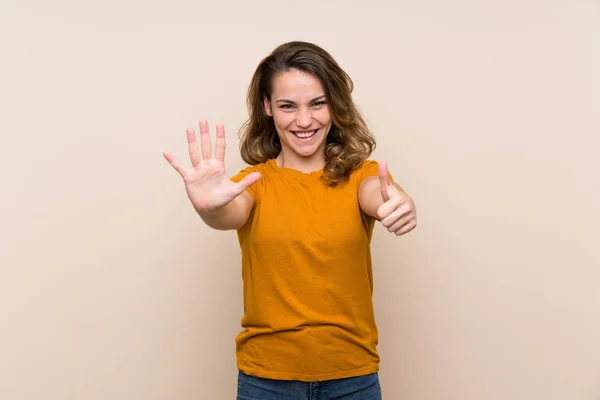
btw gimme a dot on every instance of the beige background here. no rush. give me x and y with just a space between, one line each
487 112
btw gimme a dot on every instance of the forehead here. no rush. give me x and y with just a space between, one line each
296 85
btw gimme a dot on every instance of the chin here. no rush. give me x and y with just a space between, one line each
306 154
309 150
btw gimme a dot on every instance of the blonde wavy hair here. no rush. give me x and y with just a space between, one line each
349 142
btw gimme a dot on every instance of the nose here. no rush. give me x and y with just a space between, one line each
303 119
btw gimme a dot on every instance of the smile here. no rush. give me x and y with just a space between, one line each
304 134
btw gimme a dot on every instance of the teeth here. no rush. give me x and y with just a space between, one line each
305 134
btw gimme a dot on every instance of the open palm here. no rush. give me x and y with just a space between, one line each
208 186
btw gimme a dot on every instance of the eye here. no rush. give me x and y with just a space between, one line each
320 103
286 106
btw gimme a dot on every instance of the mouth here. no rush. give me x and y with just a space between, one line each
305 134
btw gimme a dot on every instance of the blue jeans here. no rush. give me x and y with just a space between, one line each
359 388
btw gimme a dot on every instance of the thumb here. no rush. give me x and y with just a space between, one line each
248 181
384 180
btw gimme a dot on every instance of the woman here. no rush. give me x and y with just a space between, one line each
304 212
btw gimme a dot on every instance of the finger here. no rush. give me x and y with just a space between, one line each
193 146
384 179
248 181
394 216
412 224
220 146
178 167
401 222
388 207
205 140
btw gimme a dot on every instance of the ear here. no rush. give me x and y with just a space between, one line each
267 105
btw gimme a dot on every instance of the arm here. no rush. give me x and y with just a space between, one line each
232 216
387 202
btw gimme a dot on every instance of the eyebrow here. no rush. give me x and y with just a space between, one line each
290 101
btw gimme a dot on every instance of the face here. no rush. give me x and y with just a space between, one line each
300 113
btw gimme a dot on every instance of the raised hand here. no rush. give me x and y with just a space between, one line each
206 182
397 213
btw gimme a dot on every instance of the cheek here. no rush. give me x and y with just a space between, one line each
282 119
323 116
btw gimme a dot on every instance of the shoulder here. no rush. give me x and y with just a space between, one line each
366 169
257 188
263 168
369 165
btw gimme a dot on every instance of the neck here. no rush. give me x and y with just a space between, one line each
316 162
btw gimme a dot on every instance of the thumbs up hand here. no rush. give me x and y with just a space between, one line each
397 213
